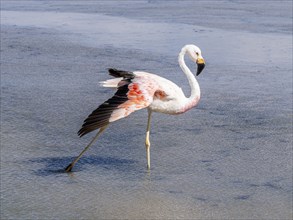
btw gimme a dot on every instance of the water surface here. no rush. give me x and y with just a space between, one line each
229 158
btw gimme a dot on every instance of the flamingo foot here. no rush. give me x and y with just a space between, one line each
69 167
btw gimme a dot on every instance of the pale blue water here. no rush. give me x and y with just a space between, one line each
229 158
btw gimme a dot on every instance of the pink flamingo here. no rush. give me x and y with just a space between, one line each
138 90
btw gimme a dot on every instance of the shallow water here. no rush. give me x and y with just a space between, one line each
230 158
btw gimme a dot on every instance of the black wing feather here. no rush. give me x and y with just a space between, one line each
100 117
121 73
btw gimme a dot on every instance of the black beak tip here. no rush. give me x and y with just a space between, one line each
200 67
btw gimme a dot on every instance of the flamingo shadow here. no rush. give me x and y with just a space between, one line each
56 165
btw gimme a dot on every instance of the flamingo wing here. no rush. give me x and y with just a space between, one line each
133 93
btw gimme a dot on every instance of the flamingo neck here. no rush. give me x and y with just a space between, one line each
195 90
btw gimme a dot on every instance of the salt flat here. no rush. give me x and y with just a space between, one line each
229 158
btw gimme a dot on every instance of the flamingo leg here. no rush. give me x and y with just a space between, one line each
70 166
147 140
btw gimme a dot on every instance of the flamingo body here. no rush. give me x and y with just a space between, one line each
137 90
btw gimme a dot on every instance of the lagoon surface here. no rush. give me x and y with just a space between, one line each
228 158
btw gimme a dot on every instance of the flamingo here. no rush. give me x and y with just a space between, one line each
138 90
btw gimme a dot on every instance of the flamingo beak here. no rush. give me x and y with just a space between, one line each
200 65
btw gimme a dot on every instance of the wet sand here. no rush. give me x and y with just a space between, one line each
229 158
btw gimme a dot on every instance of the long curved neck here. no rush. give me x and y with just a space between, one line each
195 90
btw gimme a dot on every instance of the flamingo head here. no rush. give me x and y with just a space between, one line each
195 54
